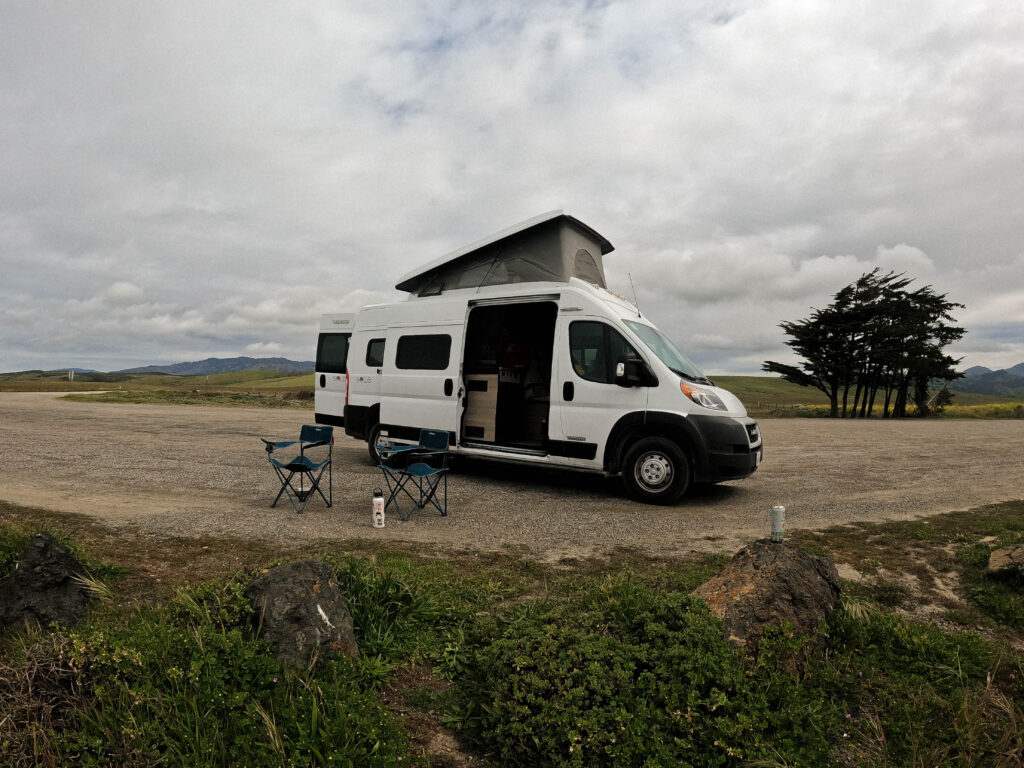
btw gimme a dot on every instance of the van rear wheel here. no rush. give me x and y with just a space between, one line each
656 471
372 438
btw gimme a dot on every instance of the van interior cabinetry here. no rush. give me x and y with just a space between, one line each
480 418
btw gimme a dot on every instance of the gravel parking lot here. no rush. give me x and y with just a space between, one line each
198 471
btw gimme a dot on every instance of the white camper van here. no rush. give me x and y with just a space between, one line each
516 348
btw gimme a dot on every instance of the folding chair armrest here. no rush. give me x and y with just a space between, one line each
431 452
425 453
273 445
389 452
396 448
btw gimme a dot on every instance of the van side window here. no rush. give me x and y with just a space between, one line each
375 353
429 352
595 348
332 352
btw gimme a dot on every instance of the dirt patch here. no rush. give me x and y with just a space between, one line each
201 471
423 722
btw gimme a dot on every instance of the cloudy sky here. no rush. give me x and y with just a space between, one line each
194 179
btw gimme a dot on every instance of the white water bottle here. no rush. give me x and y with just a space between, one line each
378 508
778 523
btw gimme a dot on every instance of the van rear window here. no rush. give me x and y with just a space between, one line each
375 353
429 352
332 352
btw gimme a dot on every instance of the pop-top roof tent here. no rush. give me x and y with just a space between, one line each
552 247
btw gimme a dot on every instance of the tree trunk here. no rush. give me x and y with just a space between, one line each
900 409
871 405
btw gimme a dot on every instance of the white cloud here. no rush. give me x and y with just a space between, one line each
268 348
123 294
906 259
197 178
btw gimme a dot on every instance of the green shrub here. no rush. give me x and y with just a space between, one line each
629 676
626 675
190 684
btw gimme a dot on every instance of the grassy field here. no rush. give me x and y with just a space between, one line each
236 381
268 389
596 662
764 396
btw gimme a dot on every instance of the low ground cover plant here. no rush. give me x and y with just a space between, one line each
588 663
640 677
1010 410
189 683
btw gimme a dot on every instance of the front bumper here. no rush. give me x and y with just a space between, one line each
733 448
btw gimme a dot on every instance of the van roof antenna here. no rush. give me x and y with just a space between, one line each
488 272
636 302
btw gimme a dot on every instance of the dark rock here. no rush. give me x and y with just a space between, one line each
43 589
768 584
300 609
1007 563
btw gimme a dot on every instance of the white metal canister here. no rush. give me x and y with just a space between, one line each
778 523
378 508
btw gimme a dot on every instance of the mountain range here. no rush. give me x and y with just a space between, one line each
984 381
213 365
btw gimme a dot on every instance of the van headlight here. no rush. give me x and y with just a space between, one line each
702 397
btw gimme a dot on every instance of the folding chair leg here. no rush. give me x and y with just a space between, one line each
431 497
284 484
299 497
395 486
317 485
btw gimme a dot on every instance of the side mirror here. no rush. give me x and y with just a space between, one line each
634 372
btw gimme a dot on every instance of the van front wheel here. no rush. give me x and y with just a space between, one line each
656 471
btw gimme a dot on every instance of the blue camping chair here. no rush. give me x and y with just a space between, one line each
418 472
311 471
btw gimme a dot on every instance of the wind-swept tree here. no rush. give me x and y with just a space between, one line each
877 337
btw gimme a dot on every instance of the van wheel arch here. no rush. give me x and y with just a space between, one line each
637 426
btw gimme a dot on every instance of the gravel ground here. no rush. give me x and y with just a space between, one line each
198 471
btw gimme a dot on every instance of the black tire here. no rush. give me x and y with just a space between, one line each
656 471
372 438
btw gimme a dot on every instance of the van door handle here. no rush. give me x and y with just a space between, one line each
449 387
568 391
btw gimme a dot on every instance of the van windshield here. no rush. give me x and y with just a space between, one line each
666 351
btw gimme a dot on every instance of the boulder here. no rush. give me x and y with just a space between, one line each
43 588
1007 563
767 584
301 610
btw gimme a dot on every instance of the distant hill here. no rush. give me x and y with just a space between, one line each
977 370
1008 382
212 365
